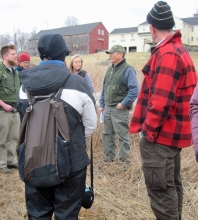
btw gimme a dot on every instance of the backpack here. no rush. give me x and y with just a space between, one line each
44 142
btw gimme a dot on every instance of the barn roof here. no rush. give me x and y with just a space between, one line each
66 31
124 30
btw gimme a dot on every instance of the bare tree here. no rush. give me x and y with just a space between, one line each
20 39
15 38
5 39
23 41
33 32
71 21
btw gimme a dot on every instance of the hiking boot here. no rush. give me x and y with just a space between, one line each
5 170
15 166
105 160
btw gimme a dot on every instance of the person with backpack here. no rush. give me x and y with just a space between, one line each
76 68
53 159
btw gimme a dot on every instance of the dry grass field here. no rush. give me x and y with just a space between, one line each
120 193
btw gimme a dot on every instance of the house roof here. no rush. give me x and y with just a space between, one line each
124 30
65 31
144 23
191 20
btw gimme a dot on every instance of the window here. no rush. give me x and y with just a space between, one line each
192 39
192 29
184 26
123 40
113 41
196 38
188 40
102 32
98 31
132 39
143 28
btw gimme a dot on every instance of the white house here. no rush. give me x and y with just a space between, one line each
139 38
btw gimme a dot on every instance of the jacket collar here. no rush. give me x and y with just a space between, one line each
119 64
173 37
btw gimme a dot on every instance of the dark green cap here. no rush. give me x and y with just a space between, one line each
116 48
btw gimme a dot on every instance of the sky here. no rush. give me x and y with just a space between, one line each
48 14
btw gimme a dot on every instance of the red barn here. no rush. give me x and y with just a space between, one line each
81 39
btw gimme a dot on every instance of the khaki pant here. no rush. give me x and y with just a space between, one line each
9 134
161 167
116 123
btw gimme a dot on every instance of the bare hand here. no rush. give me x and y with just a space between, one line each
101 110
7 108
120 106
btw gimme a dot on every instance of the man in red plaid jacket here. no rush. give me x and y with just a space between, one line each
161 114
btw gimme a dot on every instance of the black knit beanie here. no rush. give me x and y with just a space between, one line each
161 16
52 47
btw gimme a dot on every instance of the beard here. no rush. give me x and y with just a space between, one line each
12 62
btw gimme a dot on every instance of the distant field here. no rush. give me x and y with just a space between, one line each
119 194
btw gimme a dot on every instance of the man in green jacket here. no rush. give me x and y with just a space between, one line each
9 117
120 89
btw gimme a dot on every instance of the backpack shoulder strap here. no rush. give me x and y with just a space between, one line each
60 115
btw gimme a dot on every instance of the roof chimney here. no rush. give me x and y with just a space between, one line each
195 15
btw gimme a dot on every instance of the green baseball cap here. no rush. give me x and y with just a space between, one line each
116 48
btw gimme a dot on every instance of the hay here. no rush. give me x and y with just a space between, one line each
120 193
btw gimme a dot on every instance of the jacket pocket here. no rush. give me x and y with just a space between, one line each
154 172
21 160
64 161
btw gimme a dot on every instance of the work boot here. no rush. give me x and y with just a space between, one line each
15 166
5 170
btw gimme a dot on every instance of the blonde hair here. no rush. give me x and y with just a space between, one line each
72 60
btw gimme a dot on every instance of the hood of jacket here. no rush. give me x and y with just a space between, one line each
44 79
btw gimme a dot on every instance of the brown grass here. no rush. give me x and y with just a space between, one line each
119 194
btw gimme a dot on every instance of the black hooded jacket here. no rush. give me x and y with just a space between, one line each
80 104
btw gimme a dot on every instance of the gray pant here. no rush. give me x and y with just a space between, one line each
9 134
161 167
116 123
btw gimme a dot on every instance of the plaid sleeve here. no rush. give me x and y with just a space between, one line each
165 81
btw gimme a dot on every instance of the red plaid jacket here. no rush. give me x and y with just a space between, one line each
162 107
